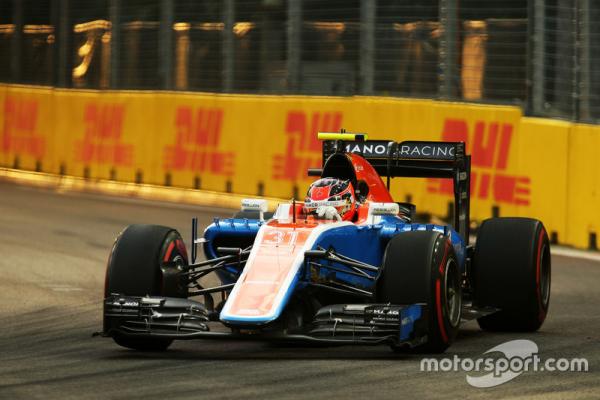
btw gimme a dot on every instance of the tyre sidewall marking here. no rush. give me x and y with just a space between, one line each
171 251
540 248
438 295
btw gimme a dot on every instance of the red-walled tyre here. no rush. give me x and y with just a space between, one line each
421 267
512 271
134 270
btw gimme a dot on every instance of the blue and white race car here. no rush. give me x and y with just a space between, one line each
346 265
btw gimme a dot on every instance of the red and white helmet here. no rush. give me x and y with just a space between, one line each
332 192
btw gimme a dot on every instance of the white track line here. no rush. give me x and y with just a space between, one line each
572 253
61 287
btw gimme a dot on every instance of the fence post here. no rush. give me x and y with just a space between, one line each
115 42
228 45
294 44
538 79
60 12
367 45
565 60
584 41
165 45
16 45
449 51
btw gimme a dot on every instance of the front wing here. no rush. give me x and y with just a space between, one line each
176 318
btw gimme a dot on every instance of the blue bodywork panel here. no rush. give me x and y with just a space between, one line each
408 316
365 243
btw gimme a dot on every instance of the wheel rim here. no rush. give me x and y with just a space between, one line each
544 276
452 297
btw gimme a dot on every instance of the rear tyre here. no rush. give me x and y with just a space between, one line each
511 271
134 270
421 267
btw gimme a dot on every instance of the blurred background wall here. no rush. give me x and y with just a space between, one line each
541 55
228 95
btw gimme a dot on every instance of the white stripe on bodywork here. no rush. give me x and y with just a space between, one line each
297 264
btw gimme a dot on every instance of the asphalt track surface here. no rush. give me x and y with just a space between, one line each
53 250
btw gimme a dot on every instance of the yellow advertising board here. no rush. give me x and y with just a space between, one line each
263 145
583 189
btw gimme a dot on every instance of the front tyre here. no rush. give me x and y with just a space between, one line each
134 270
421 267
511 271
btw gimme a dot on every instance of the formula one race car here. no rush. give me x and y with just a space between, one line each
346 266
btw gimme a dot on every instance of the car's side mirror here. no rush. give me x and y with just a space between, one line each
407 211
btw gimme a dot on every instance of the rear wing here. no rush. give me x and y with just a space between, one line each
417 159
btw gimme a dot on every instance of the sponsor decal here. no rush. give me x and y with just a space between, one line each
303 149
197 137
19 132
408 150
254 204
380 314
371 148
428 151
489 144
324 203
384 208
101 142
128 303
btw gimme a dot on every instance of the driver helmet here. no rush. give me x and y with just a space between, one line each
332 192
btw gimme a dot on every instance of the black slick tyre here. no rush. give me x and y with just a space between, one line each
421 267
134 270
512 272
